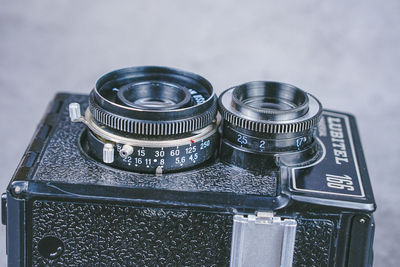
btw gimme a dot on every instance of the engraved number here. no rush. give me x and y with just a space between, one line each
159 153
205 144
174 152
242 139
262 144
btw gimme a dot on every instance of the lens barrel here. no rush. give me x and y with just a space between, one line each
263 120
153 101
152 120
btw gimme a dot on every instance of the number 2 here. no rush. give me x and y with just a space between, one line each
262 144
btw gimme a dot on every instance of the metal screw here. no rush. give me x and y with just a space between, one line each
17 190
362 220
108 153
126 151
75 111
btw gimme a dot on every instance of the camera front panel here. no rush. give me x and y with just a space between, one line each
84 233
128 188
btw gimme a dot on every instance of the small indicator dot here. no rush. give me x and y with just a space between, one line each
191 140
155 160
147 166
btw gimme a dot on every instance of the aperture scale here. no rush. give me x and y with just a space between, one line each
267 143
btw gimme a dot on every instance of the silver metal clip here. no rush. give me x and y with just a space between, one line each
262 240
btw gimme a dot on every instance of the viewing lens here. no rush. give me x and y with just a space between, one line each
262 119
270 100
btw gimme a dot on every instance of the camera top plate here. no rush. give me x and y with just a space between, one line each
54 163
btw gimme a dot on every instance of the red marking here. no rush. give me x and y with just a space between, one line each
191 140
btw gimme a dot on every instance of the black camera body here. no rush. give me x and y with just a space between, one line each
65 207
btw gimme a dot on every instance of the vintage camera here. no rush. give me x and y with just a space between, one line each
144 172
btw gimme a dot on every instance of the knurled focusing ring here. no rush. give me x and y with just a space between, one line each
153 101
267 124
269 107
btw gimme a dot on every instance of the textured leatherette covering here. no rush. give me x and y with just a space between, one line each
62 161
113 235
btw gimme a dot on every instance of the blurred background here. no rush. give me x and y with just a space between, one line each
347 53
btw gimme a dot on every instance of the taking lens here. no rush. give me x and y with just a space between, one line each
154 95
264 119
152 120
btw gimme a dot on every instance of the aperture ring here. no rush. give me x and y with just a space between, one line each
141 127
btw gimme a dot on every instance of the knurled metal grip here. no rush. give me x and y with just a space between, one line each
273 128
108 153
161 127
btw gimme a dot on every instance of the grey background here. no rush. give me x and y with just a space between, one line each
344 52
